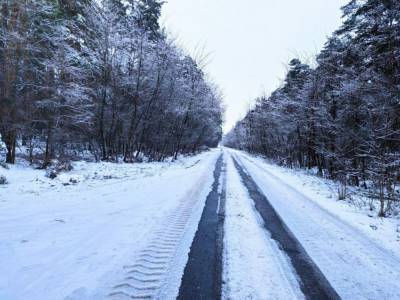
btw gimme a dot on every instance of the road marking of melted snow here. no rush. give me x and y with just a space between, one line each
254 266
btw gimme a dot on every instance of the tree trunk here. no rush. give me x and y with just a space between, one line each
47 157
11 143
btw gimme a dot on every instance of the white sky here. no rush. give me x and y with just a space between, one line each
250 41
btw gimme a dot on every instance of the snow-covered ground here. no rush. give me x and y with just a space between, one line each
254 266
385 231
72 236
92 231
359 261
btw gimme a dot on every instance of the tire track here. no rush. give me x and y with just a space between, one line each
202 278
312 281
344 253
356 233
148 275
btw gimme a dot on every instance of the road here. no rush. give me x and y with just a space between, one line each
220 225
316 254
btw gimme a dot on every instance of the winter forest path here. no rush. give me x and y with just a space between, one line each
207 274
219 225
280 245
256 237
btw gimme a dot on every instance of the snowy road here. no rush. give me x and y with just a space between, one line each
254 266
355 265
219 224
312 282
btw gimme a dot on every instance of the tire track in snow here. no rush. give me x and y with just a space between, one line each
356 233
202 278
148 276
312 282
254 266
357 266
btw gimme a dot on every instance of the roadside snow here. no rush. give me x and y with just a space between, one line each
355 264
385 231
67 237
254 266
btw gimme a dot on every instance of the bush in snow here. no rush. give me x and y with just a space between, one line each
52 172
64 167
3 180
4 165
73 180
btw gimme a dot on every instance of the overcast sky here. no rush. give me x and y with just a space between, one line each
251 41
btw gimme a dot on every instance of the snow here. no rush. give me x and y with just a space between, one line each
254 266
74 237
355 211
337 238
71 240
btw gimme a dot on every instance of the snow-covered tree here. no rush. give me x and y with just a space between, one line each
343 117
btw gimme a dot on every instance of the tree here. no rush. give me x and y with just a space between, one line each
341 117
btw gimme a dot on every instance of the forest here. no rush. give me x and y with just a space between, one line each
100 79
340 117
120 179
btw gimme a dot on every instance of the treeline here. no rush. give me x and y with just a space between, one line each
343 116
99 77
